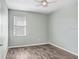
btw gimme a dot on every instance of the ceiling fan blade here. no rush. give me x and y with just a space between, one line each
38 5
37 0
53 1
41 5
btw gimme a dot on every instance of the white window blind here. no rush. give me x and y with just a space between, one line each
19 26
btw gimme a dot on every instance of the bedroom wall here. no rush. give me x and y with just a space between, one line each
0 22
3 29
63 27
37 31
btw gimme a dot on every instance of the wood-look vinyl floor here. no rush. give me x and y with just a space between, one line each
39 52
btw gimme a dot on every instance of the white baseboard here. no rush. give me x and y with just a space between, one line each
63 48
6 53
27 45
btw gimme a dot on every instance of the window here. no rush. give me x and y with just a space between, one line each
19 26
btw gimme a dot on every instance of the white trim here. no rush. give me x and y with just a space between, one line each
6 53
27 45
16 25
63 48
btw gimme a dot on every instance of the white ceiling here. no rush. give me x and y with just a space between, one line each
33 6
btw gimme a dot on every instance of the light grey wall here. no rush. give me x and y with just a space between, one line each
0 21
63 30
0 31
37 31
4 29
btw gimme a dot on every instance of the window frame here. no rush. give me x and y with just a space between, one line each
14 26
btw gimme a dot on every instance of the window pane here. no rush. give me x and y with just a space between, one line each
20 20
19 31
